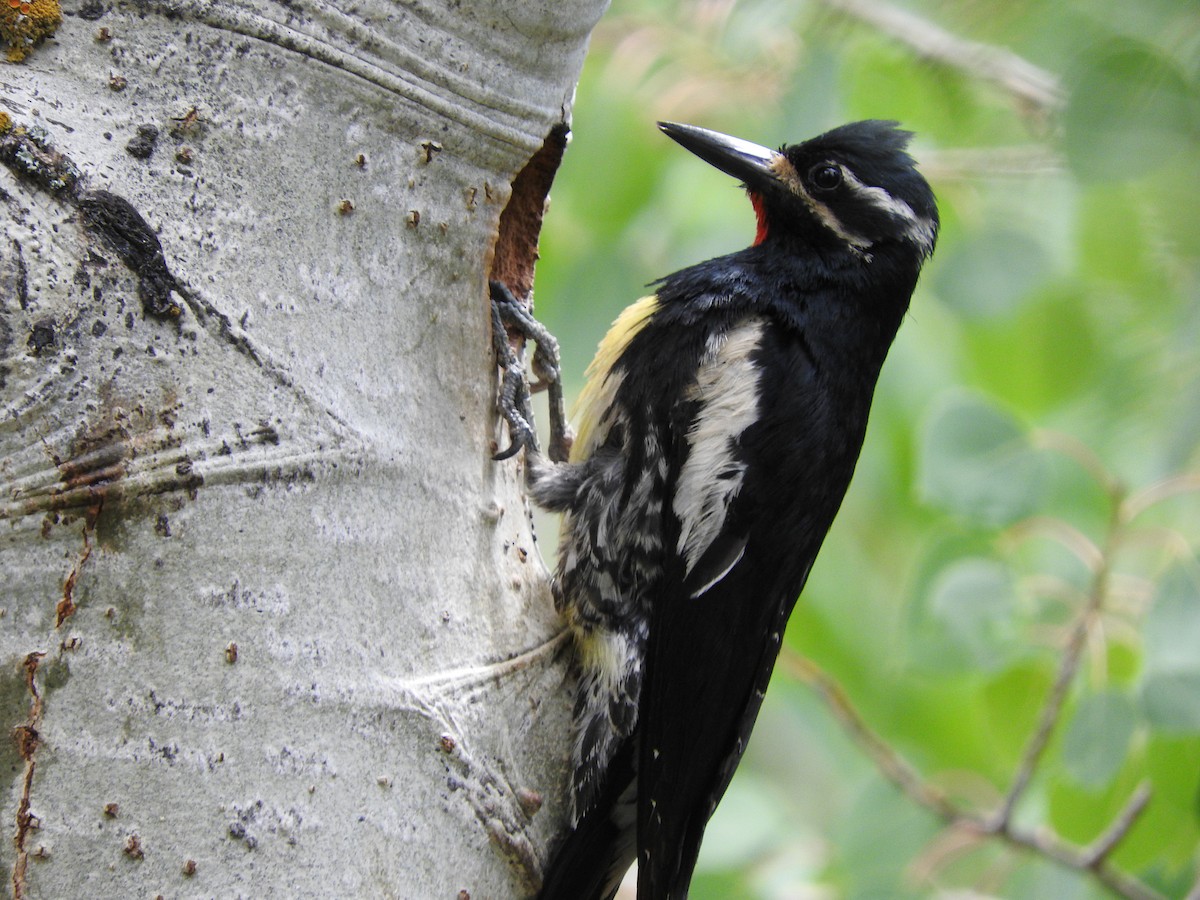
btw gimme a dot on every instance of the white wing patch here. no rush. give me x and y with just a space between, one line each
727 388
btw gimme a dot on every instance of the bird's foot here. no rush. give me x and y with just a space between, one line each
514 400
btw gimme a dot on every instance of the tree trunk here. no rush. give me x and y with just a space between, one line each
273 623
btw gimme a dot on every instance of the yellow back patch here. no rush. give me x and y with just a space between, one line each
600 387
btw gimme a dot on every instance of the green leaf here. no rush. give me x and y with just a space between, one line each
1044 355
1131 110
1172 628
1171 701
977 462
972 606
1171 683
1043 878
1097 740
880 836
988 274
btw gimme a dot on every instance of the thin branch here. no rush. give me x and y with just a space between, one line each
1171 542
974 163
1106 842
1075 449
1044 842
1033 86
1051 712
1057 530
1138 503
1047 720
1133 592
895 767
953 843
1052 588
1048 844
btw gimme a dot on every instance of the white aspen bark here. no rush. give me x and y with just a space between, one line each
262 585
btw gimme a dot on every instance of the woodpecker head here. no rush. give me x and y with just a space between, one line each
854 186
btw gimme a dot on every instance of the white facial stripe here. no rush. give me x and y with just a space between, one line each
923 233
786 172
727 390
878 197
834 224
917 229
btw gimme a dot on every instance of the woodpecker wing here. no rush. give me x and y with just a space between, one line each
760 470
688 758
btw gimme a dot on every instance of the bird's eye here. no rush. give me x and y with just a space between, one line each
825 176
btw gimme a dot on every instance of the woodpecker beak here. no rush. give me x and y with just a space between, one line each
754 165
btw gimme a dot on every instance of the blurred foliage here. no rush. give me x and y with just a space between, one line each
1046 380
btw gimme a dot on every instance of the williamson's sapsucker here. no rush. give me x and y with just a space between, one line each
721 422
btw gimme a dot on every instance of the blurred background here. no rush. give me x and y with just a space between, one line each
1027 501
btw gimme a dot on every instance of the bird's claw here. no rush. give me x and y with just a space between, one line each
513 402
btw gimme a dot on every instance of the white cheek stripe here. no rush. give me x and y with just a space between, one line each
834 224
787 174
727 390
919 230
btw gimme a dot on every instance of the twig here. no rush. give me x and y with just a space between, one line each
1048 844
1044 842
895 767
1171 542
1065 534
953 843
1033 86
1053 587
1073 448
1051 712
1048 718
1104 844
974 163
1171 487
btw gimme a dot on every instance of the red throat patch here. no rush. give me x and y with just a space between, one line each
756 200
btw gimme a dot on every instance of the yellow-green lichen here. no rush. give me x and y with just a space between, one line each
26 23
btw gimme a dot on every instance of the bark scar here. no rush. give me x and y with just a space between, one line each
521 221
66 606
126 231
27 740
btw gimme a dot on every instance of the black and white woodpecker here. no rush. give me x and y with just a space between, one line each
721 422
